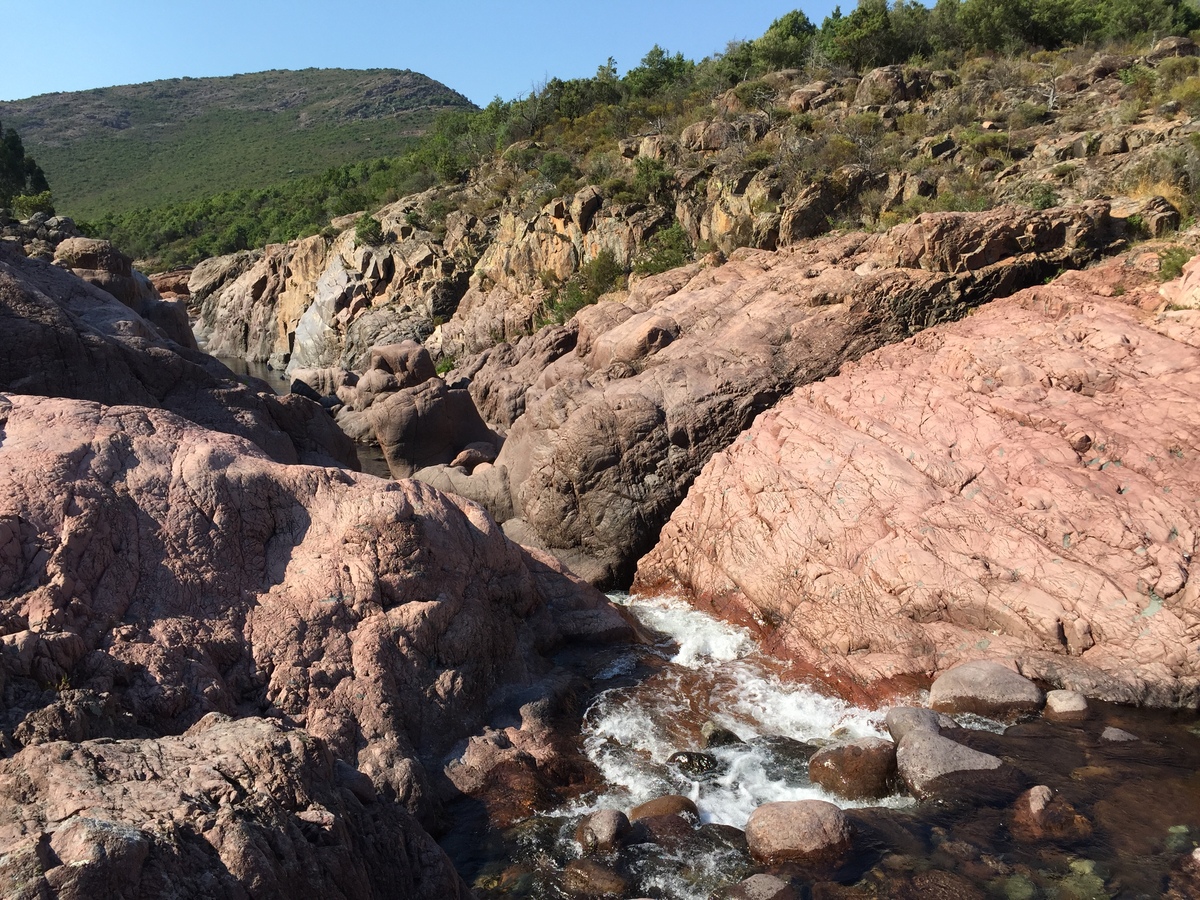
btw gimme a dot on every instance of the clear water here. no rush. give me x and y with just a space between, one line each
650 702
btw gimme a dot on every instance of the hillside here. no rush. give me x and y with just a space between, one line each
118 148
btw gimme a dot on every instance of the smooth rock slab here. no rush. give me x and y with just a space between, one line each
857 770
923 757
810 831
1065 706
986 688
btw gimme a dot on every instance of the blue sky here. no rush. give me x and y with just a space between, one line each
480 49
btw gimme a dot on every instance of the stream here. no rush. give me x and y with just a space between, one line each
1142 799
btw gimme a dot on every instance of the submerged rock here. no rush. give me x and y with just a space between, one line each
1066 706
924 758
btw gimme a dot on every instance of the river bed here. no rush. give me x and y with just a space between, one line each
1141 799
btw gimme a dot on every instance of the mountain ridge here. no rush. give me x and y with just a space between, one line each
116 148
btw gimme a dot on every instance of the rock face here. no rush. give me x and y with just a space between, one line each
987 688
810 831
62 337
179 571
616 428
225 808
1018 485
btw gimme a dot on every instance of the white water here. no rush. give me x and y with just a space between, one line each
715 673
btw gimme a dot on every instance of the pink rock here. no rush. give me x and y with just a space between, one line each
1019 485
810 831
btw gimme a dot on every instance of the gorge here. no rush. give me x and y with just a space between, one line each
896 460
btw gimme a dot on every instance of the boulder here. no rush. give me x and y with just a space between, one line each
425 425
189 572
926 761
761 887
602 831
857 770
986 688
668 805
807 831
901 720
588 878
1065 706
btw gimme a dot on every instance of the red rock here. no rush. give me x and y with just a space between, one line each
669 805
856 770
972 492
188 573
226 808
60 337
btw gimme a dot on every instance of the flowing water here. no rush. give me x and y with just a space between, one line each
650 702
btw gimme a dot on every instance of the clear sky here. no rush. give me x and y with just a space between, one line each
480 49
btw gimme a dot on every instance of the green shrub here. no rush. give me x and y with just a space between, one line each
367 230
1175 70
1171 261
667 249
25 205
445 364
594 279
1025 115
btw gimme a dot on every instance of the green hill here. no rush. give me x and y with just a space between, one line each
114 149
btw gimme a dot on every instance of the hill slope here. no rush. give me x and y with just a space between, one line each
114 149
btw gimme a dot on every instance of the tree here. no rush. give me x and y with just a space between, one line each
19 173
657 71
784 45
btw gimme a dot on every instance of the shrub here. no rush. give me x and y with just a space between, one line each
668 249
594 279
25 205
367 230
1171 261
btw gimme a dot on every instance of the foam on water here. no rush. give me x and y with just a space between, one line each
630 733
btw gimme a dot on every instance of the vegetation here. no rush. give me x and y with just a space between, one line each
593 280
667 249
568 133
112 150
1171 262
20 175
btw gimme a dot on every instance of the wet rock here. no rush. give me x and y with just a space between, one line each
672 831
857 770
602 831
810 831
693 764
901 720
786 758
924 758
1117 735
1183 882
588 878
1065 706
986 688
761 887
713 735
1040 814
669 805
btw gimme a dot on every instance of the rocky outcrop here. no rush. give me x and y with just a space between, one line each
101 264
616 428
62 337
173 571
226 808
1018 485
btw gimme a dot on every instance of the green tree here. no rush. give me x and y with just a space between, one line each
785 43
19 173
